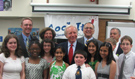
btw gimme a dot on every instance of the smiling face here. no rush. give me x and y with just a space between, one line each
12 44
27 27
79 59
88 30
34 50
71 34
59 54
104 52
46 47
126 46
48 35
92 48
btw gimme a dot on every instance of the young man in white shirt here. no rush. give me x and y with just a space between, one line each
72 71
126 60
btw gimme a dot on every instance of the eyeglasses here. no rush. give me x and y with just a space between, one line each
89 28
34 49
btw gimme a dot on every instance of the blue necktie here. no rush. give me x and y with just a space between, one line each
78 73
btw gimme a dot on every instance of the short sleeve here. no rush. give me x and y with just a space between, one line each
2 58
45 64
22 59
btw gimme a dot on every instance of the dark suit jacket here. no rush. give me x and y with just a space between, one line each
65 45
21 41
81 40
119 50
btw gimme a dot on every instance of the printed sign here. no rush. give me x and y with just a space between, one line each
59 22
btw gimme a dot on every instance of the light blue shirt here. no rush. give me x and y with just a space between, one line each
129 65
24 38
74 46
85 39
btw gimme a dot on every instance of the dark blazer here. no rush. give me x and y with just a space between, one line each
21 41
65 45
81 40
119 50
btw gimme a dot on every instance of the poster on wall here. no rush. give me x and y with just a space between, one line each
1 5
59 22
18 31
5 5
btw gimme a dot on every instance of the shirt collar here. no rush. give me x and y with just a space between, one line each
85 39
24 37
74 44
82 66
128 54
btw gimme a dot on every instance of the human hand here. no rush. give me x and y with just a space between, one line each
132 77
87 65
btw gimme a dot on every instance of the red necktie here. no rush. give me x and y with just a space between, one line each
70 54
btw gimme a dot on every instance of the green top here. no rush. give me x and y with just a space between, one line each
56 72
92 64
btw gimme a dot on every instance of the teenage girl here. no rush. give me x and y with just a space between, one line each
47 50
58 66
106 67
35 66
92 49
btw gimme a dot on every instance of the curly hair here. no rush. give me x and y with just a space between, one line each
51 50
6 51
42 32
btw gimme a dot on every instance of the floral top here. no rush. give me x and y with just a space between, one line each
56 72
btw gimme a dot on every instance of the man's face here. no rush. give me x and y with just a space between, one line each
115 34
27 27
126 46
88 30
71 34
79 59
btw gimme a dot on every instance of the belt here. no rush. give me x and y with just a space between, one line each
103 75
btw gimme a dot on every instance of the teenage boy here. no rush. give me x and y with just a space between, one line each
126 59
79 70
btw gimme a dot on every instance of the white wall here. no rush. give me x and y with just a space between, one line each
6 23
22 8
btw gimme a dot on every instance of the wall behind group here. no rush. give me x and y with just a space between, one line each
22 8
15 22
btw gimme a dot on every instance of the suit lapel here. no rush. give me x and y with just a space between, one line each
22 42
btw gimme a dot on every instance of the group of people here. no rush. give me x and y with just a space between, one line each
25 57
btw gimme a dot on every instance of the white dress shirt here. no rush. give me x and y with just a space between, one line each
129 65
87 72
116 48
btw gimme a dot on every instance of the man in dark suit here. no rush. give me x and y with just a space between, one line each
88 31
71 34
26 26
115 33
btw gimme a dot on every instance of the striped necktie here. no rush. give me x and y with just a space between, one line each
27 45
86 42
